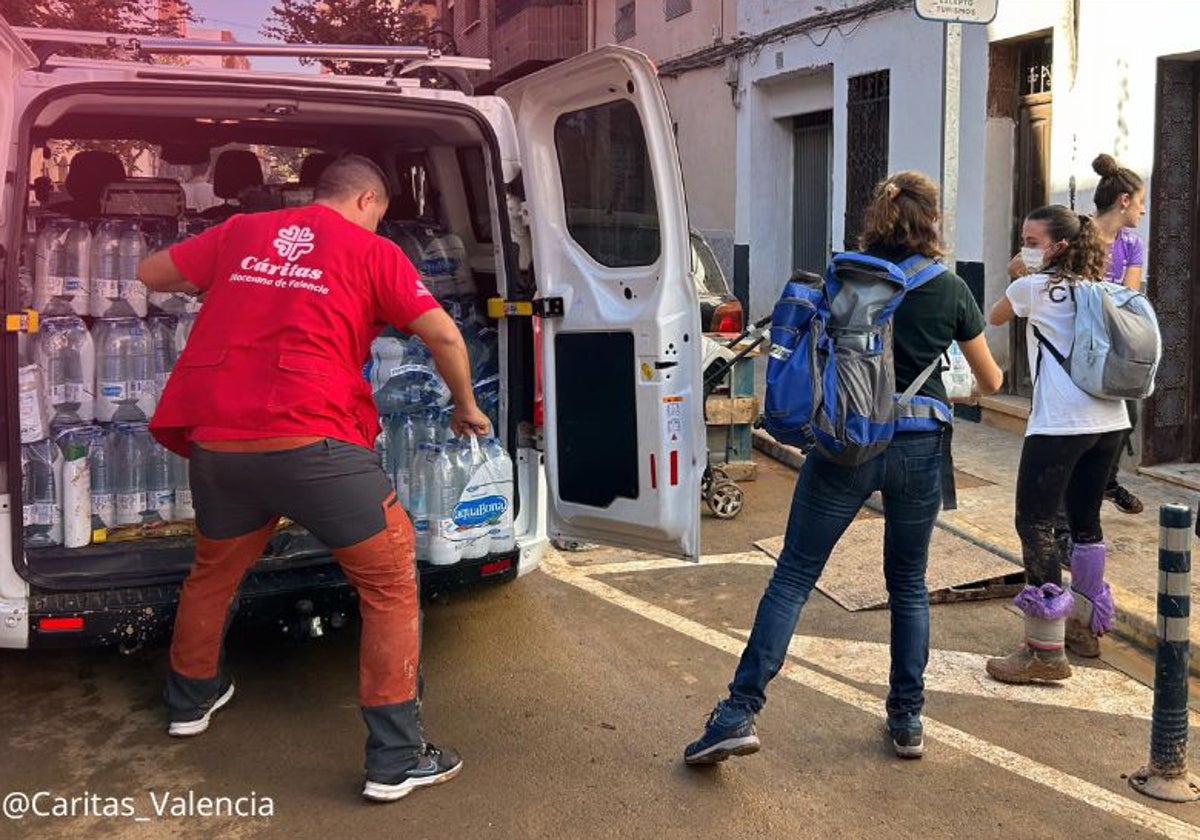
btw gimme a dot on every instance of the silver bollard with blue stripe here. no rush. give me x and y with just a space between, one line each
1166 777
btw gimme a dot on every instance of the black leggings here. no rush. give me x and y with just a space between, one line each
1060 471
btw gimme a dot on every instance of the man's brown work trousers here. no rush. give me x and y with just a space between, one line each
339 492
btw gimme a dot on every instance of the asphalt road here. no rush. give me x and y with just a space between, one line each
571 694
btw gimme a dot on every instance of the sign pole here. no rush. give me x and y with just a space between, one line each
951 98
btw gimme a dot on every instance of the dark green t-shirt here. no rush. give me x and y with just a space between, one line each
929 318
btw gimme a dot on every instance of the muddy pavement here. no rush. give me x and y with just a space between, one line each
571 694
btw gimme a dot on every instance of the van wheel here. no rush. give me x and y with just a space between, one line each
725 499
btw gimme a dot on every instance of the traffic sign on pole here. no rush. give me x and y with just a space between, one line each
957 11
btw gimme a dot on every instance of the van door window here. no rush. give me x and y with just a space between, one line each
608 186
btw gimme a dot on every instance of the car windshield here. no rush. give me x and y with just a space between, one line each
706 270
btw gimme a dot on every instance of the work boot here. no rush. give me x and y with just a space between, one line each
1041 658
1026 665
1080 639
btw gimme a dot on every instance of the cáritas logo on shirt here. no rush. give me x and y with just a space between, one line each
291 243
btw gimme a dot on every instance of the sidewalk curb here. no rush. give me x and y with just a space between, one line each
1138 627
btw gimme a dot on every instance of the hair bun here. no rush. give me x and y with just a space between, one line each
1105 165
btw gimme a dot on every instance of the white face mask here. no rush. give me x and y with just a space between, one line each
1032 258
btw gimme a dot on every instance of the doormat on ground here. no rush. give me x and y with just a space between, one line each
958 570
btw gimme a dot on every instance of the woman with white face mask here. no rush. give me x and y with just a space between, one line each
1070 443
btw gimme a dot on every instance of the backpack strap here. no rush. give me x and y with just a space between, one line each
1044 342
916 384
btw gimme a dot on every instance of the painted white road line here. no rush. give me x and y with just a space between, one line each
957 672
741 558
1058 781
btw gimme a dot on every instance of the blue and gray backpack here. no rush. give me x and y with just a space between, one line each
1116 347
831 377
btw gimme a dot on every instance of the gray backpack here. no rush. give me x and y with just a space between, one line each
1117 345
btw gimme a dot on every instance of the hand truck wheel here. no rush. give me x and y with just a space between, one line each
725 499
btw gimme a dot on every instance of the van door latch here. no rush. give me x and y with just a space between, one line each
552 307
21 322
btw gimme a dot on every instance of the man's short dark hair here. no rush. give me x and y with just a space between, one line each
351 175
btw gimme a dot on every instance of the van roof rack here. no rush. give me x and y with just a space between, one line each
46 43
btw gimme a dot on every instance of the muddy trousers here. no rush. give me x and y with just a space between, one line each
339 492
1060 471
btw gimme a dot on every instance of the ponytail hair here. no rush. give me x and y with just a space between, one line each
1086 250
1115 181
903 216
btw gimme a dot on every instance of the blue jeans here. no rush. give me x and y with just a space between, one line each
826 500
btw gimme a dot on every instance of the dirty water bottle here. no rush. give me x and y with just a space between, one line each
76 486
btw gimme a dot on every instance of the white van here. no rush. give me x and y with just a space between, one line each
565 191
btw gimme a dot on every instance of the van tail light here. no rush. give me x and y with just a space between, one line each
728 318
539 409
496 567
66 623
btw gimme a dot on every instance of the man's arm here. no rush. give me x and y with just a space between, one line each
445 343
159 274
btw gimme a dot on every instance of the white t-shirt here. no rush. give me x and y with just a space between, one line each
1060 407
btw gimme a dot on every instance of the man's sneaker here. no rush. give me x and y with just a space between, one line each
728 731
1123 499
434 767
194 722
909 741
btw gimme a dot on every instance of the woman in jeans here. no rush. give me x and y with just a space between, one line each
1070 443
901 221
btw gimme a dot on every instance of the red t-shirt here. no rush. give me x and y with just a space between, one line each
293 299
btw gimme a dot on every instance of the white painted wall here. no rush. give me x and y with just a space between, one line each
810 72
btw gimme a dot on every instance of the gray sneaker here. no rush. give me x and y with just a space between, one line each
909 741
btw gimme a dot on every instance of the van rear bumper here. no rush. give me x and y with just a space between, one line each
132 616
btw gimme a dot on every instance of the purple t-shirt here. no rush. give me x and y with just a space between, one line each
1127 249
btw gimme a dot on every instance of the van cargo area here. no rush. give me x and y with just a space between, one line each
149 165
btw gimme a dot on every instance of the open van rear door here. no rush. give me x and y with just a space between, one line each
15 58
624 427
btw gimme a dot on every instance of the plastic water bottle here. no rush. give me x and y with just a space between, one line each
468 458
421 496
162 350
100 455
40 514
183 329
67 361
25 269
31 402
404 449
504 536
184 509
129 472
160 487
442 550
62 273
106 269
76 486
132 249
124 380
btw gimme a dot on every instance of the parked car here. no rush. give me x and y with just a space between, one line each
506 183
720 310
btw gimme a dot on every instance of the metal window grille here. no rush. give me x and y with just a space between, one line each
866 145
674 8
1037 63
625 27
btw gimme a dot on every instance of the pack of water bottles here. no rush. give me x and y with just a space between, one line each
89 381
458 491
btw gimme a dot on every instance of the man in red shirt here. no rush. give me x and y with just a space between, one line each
269 402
